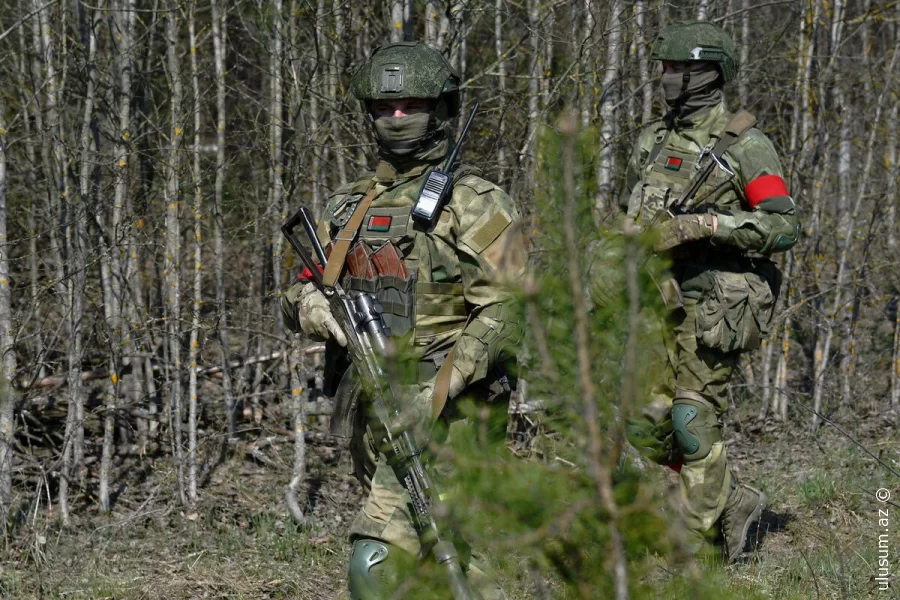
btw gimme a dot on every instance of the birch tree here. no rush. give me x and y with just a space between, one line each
7 338
172 263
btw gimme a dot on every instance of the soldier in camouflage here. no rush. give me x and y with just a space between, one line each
720 251
445 287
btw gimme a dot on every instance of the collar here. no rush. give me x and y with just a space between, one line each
389 172
701 119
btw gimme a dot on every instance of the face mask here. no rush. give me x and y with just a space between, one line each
402 136
700 85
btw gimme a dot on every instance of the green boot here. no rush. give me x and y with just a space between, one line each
743 508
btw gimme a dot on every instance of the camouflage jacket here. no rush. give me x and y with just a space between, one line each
461 268
757 216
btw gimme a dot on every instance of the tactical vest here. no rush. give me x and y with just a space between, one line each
413 291
668 170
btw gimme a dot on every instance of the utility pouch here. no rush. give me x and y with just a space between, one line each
359 263
735 312
387 261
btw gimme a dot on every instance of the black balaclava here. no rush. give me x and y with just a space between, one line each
689 91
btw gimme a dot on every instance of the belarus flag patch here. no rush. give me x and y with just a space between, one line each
377 223
673 163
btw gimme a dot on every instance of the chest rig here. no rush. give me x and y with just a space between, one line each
674 162
390 256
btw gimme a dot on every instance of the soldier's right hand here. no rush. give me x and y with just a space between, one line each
314 315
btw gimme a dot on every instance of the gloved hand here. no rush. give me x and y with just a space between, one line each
416 405
314 315
682 229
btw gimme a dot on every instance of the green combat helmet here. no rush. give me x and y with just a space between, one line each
407 70
697 40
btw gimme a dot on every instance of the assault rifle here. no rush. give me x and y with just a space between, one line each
360 317
736 127
669 288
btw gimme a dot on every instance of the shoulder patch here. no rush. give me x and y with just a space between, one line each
485 230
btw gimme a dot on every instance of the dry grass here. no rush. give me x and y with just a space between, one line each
821 541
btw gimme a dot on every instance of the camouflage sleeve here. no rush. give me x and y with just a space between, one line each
633 168
767 220
491 254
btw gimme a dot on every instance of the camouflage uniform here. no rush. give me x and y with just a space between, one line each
456 294
728 283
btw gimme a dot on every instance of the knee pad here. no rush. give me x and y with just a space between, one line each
696 427
651 440
370 573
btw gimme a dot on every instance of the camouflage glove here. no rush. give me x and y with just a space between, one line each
315 318
416 406
682 229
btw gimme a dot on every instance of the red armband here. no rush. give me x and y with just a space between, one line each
306 275
763 188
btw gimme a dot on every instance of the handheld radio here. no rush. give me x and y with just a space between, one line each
436 188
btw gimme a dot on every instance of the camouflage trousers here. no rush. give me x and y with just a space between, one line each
694 371
386 514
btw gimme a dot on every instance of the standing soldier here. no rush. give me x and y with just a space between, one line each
442 284
729 211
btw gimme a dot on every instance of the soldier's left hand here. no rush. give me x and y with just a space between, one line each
682 229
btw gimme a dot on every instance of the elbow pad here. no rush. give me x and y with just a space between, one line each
781 241
484 340
495 329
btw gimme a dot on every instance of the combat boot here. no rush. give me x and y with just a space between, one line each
743 508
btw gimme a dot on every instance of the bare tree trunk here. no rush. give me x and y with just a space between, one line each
173 240
124 251
643 63
403 18
890 217
31 178
194 348
334 77
893 173
702 9
432 18
7 339
85 186
218 26
526 164
315 117
299 395
895 356
587 77
501 75
744 52
606 157
780 401
822 351
71 260
801 147
278 206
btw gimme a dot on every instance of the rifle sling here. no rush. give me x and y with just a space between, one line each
344 238
444 375
736 127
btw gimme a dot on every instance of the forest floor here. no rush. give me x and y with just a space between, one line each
820 537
